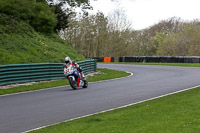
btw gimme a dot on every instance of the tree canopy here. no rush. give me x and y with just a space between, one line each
63 14
44 15
38 14
100 36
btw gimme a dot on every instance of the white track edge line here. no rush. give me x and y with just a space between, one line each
114 108
114 78
63 86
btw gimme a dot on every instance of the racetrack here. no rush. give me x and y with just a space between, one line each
26 111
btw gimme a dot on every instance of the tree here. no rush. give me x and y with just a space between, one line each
61 17
183 43
148 41
65 8
100 36
88 35
119 28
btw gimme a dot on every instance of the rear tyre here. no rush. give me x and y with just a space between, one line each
73 84
85 84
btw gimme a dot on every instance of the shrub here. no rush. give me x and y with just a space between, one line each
37 14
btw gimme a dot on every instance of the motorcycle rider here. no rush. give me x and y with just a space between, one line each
68 61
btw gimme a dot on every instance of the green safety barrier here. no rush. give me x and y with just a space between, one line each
21 73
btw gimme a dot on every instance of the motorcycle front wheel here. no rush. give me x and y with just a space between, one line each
73 84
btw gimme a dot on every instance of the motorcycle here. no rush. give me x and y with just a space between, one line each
74 77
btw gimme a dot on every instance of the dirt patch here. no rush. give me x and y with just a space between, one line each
20 84
92 74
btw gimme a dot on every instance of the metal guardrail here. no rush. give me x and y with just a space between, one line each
21 73
162 59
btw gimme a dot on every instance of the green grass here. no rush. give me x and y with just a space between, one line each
161 64
20 43
177 113
107 74
104 74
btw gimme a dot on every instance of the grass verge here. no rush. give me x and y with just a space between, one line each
104 74
161 64
177 113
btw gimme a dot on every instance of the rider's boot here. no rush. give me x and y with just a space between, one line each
83 76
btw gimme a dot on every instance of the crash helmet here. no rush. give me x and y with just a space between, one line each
67 60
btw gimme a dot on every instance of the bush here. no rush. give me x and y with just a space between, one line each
10 24
37 14
43 19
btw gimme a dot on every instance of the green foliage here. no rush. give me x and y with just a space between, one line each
63 14
158 38
73 3
37 14
19 43
19 8
172 37
10 24
40 15
43 18
61 17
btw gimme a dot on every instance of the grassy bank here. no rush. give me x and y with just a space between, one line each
104 74
177 113
20 43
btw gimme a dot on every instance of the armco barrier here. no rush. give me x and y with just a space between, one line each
162 59
21 73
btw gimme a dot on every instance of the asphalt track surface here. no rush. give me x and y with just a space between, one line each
26 111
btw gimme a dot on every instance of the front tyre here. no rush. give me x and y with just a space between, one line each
72 83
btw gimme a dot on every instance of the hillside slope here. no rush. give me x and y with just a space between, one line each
20 43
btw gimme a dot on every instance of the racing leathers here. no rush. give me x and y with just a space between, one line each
78 68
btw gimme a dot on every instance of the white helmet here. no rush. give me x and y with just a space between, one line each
67 60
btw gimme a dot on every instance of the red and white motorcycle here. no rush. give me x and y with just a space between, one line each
74 77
